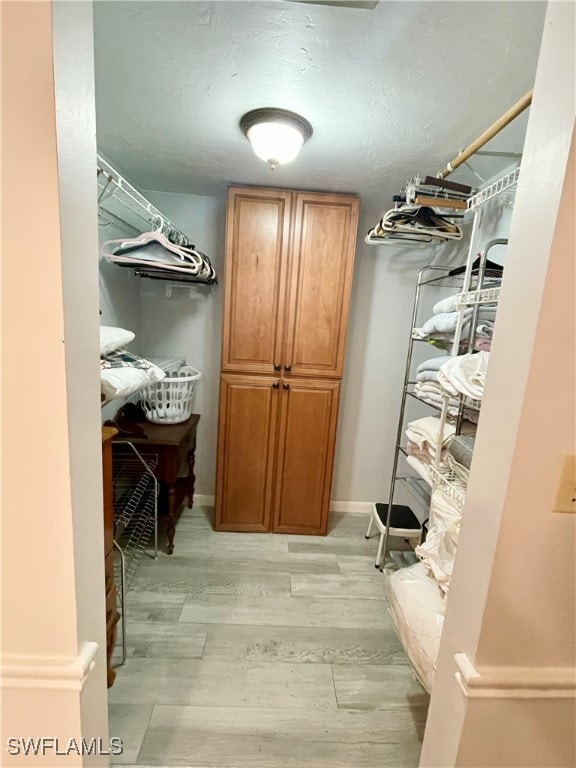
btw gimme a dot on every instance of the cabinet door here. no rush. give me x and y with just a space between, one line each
322 261
309 411
257 245
246 441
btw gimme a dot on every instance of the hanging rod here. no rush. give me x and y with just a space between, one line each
488 134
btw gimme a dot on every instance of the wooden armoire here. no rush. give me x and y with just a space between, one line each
289 262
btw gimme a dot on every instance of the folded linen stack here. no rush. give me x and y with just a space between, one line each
432 393
442 325
465 375
423 436
428 370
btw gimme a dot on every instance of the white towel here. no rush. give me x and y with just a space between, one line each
426 430
445 305
427 376
422 437
465 374
432 393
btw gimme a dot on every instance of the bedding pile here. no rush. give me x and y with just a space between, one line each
122 373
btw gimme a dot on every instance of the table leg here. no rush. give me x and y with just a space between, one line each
171 519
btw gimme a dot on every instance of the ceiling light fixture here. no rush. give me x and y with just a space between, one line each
276 135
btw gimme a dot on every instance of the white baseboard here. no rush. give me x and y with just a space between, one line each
352 506
205 500
19 671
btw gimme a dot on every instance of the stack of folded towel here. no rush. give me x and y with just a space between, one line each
427 386
423 437
440 328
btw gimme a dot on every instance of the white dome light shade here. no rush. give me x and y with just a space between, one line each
276 143
276 135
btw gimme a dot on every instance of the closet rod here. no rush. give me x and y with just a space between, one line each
488 134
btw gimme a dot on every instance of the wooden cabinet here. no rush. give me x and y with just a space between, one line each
303 474
257 249
246 444
289 263
275 454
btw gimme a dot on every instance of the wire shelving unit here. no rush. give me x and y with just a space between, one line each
135 490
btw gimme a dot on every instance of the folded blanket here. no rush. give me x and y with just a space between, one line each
465 374
427 376
461 448
123 359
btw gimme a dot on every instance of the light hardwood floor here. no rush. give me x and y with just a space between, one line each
265 651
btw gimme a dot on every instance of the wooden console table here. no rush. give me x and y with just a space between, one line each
175 445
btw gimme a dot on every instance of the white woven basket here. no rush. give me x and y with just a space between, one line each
169 401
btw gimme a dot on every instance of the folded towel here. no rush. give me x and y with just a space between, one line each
423 435
464 374
485 329
427 376
446 322
433 394
446 305
433 364
483 344
426 432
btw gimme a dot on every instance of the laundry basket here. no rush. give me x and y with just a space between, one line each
169 401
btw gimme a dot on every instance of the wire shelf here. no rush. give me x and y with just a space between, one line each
448 482
493 190
481 296
492 279
113 189
135 504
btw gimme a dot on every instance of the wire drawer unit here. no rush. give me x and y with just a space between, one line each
135 490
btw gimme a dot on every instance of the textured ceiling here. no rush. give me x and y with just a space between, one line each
390 91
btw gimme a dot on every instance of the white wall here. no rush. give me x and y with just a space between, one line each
191 327
510 622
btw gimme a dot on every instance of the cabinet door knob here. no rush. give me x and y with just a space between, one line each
285 386
277 367
276 385
288 368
